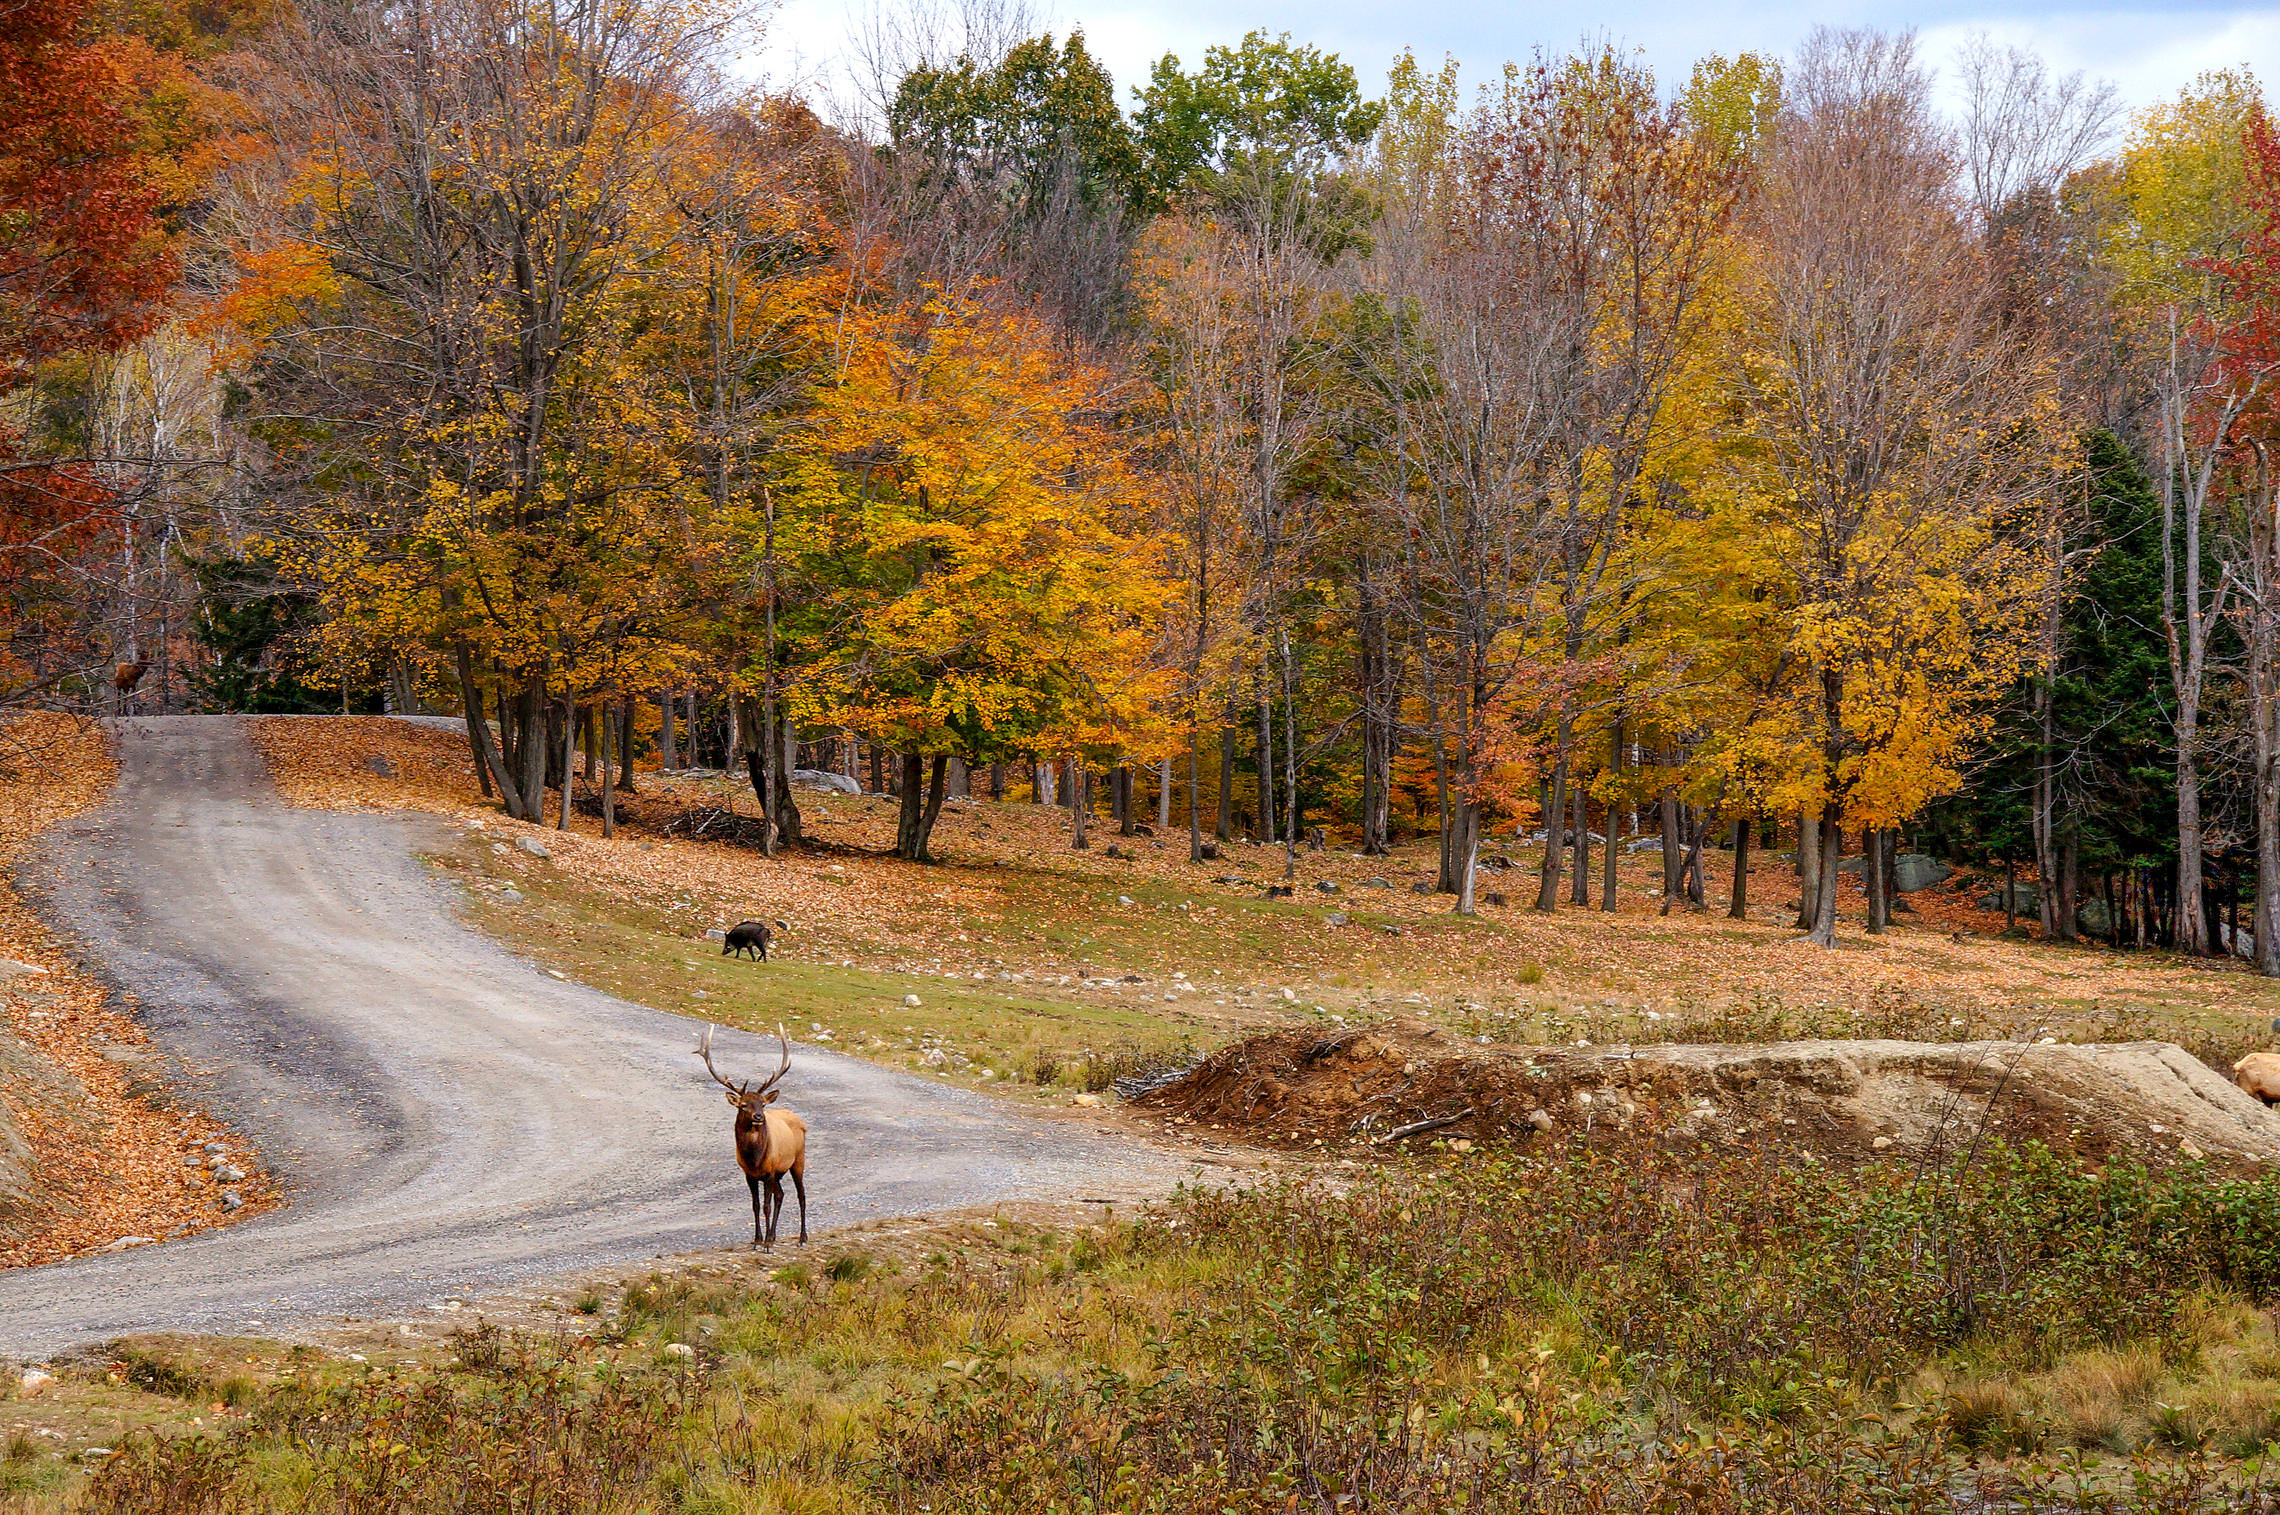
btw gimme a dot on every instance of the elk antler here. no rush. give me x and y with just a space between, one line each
781 1068
704 1050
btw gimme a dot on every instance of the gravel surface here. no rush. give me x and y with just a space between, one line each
444 1116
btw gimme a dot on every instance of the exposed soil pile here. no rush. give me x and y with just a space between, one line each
1403 1080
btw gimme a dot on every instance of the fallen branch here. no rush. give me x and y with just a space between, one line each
1414 1127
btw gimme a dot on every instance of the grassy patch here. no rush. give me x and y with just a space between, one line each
1592 1331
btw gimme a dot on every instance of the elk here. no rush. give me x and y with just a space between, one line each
2259 1074
125 677
767 1146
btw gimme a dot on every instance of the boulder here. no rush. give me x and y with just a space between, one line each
819 778
1914 871
533 846
2091 918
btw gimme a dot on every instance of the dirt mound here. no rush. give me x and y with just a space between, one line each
1403 1080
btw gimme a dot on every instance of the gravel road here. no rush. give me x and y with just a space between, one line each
445 1117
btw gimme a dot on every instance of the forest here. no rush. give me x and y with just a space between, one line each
1859 452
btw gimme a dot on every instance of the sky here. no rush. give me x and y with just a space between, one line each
2148 51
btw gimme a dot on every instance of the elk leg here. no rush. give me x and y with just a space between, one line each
755 1185
775 1207
799 1182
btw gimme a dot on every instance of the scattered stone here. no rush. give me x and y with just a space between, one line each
1421 887
1374 882
2186 1147
1089 1101
1334 918
933 1057
1325 886
10 968
716 934
818 778
910 1002
1390 930
34 1379
1541 1119
231 1200
125 1055
216 1148
1494 899
1211 852
1881 1143
1288 995
1114 851
125 1242
231 1174
556 973
1143 831
1124 899
1461 1144
679 1349
378 763
533 846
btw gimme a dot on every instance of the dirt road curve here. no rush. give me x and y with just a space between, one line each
445 1116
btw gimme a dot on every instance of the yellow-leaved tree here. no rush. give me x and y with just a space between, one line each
976 578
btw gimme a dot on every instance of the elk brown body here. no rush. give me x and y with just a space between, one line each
2259 1074
770 1143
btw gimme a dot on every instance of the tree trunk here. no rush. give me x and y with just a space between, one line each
1120 798
1582 811
1673 843
1609 854
1808 869
1555 821
1739 906
997 781
623 708
1468 851
612 727
490 769
1697 833
2010 897
1872 874
1080 803
668 755
1824 932
2264 917
921 804
585 720
1266 764
1164 797
569 777
1223 825
878 769
530 743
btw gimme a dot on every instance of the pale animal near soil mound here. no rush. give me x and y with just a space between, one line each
1846 1101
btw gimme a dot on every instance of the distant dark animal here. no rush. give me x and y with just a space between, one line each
1494 899
124 678
1278 891
747 937
769 1144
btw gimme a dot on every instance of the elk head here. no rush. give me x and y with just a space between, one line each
768 1144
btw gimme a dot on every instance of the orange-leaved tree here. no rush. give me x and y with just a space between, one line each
965 524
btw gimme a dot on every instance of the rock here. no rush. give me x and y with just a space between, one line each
1541 1119
1288 996
817 778
1881 1143
10 968
2185 1146
33 1380
1316 839
231 1201
1335 918
1143 831
1460 1145
125 1242
1374 882
1089 1101
1325 886
1113 851
215 1149
2091 918
193 1160
1211 852
1421 887
716 934
125 1055
910 1002
1493 899
533 846
1644 844
679 1349
1124 899
511 896
231 1174
1390 930
933 1057
378 763
1913 871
